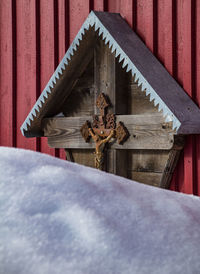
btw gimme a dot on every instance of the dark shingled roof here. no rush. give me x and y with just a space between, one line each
153 78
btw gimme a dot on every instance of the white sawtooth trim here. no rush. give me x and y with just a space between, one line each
113 48
92 20
100 31
128 68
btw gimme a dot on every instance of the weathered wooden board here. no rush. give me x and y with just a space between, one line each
170 165
147 160
147 166
25 62
138 102
8 130
152 166
146 132
80 102
150 178
104 74
105 81
81 156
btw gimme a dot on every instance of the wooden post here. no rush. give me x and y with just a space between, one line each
105 81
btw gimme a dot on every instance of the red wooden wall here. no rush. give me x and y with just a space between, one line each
35 34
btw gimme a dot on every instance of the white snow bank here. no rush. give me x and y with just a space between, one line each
59 217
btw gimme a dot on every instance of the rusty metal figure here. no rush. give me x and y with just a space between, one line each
100 145
103 129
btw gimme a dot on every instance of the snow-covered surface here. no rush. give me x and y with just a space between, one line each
59 217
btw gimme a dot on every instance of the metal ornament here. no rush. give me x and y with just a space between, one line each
103 129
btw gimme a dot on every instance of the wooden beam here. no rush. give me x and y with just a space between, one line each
146 132
105 81
104 74
172 161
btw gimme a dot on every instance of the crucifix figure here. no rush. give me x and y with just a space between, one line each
100 144
103 129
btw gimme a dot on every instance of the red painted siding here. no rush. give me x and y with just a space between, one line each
35 34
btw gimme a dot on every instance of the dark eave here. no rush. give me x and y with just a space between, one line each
153 78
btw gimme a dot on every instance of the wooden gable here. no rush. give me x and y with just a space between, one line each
107 56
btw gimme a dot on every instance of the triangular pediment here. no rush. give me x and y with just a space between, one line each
152 78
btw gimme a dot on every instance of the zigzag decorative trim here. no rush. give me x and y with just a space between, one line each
92 20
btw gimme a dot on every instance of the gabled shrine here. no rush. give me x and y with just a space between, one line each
111 96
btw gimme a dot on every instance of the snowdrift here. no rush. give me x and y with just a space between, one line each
60 217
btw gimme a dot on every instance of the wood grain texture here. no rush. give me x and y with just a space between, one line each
105 82
104 74
63 39
147 160
7 73
148 178
148 166
186 79
138 102
80 101
83 156
187 85
150 24
146 132
171 163
78 12
25 67
48 52
99 5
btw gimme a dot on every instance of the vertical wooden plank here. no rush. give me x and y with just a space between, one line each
178 177
26 66
78 12
99 5
184 76
125 8
149 22
140 25
63 40
187 85
7 72
63 28
114 6
126 11
47 52
104 74
116 158
197 68
161 31
169 34
104 81
179 45
166 45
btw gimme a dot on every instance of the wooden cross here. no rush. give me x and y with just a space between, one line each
151 142
103 129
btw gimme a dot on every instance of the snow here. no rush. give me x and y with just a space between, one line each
60 217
